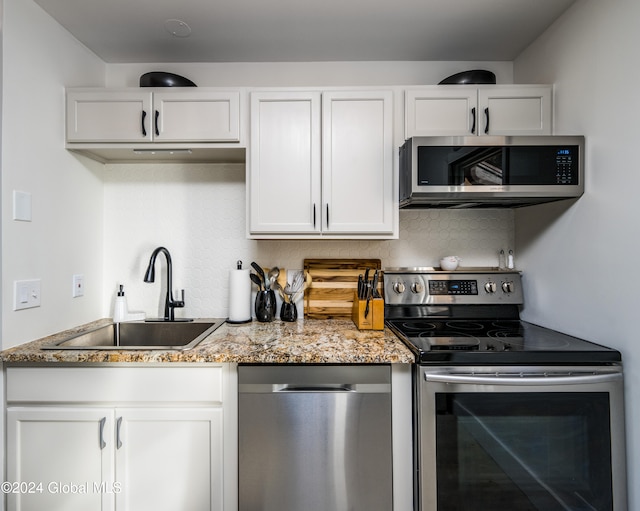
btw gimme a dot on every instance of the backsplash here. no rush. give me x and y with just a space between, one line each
197 211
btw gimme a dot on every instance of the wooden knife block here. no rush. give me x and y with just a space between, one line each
374 319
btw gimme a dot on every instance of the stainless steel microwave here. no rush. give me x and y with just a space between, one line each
464 172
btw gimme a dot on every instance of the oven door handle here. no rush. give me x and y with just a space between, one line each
524 379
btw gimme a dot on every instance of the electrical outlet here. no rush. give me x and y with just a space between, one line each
78 286
26 294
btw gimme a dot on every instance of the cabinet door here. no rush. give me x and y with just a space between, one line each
62 457
169 459
357 157
515 110
109 116
196 116
284 163
441 111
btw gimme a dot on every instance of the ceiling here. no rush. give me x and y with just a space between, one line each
127 31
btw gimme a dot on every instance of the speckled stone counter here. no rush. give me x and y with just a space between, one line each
303 342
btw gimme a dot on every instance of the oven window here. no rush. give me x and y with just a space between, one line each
524 451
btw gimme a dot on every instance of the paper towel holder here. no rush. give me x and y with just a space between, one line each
231 291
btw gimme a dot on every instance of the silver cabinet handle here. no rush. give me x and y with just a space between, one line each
118 440
103 444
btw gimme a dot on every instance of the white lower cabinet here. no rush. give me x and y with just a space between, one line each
169 459
53 453
123 449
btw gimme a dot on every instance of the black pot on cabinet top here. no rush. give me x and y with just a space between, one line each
474 76
164 79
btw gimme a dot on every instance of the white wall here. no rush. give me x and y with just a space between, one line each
311 74
580 267
65 237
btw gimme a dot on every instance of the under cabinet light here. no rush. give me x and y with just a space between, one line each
162 151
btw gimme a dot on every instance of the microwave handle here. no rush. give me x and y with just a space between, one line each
473 120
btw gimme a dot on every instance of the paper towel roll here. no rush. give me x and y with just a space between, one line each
239 296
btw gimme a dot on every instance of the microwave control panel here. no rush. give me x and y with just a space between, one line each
566 168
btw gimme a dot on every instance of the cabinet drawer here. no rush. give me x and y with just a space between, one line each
114 384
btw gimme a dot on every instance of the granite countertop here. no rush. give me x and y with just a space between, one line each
308 341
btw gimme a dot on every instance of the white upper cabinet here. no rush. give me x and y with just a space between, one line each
108 117
357 158
284 162
110 124
321 164
196 116
469 110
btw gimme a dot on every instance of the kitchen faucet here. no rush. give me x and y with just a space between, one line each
169 304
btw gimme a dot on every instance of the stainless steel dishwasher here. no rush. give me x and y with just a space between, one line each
315 438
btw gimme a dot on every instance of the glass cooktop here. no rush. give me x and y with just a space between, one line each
495 341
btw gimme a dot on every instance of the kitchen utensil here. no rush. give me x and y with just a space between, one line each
256 280
293 289
260 273
374 286
272 276
298 286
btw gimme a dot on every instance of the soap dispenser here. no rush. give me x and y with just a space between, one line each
120 310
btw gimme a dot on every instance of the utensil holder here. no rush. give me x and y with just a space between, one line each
288 312
374 317
265 306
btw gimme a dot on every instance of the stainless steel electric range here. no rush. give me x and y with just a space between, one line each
507 414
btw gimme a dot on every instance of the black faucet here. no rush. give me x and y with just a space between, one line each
170 304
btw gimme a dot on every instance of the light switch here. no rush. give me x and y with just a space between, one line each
26 294
78 286
22 206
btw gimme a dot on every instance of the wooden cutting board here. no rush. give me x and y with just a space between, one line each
333 283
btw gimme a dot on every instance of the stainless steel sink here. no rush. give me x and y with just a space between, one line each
141 336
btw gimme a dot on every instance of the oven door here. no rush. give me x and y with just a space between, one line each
520 438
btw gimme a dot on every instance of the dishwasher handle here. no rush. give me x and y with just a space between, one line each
316 387
300 388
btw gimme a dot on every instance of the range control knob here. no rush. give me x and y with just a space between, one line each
399 287
508 287
490 287
417 288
